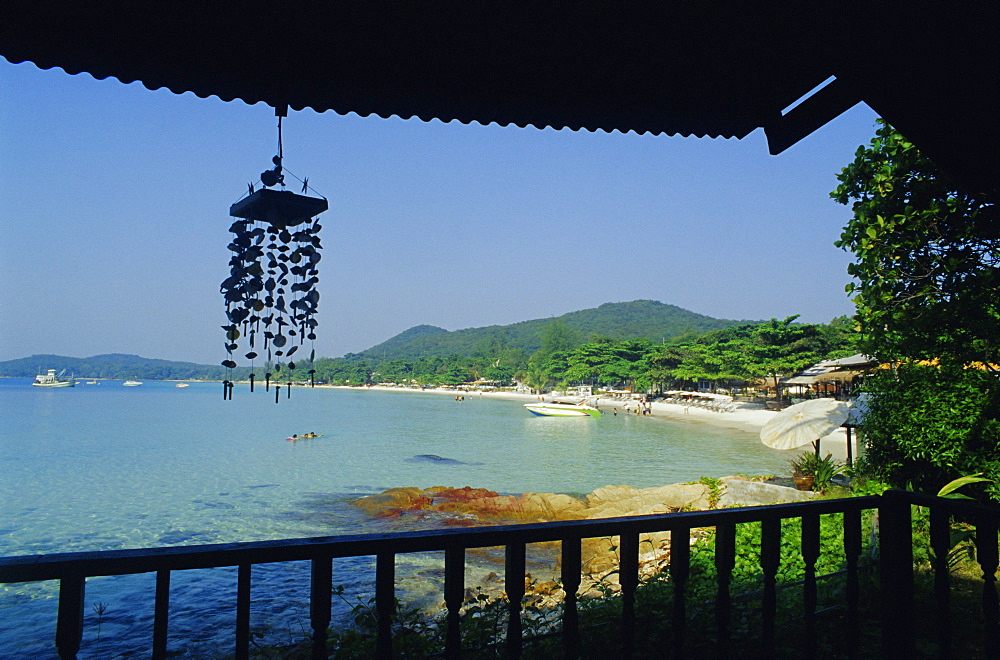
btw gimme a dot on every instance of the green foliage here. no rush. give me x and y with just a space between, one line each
714 490
822 469
950 489
927 263
927 425
927 256
650 319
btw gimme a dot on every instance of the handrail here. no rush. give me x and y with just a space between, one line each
895 548
34 568
72 569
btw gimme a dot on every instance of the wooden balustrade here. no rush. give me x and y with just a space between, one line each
896 570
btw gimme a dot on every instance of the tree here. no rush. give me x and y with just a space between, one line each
781 348
555 337
927 424
927 256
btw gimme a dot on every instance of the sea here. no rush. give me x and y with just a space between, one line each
107 467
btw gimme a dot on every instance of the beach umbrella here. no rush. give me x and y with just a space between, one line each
804 423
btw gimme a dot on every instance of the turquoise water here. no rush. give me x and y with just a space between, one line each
106 467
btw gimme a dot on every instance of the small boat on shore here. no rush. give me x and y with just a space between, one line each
51 379
131 383
563 409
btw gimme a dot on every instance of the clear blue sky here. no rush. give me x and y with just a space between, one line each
115 219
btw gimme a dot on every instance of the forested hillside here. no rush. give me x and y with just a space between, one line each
114 365
638 344
650 319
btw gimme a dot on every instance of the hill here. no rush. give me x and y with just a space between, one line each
112 365
652 319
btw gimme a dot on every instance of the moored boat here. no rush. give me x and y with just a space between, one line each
131 383
562 409
51 379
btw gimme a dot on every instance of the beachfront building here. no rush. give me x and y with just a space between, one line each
838 378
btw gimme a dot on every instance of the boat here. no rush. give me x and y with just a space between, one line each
563 409
51 379
181 385
131 383
91 382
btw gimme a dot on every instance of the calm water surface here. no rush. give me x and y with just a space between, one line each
104 466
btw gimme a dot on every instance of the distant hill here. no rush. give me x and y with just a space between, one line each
654 320
640 318
113 365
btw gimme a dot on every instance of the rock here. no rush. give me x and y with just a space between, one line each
612 501
393 501
741 492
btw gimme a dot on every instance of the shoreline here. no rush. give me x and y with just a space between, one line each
745 418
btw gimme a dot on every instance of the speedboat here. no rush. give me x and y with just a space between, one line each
181 385
131 383
563 409
51 379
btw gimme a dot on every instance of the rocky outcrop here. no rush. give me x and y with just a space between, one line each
442 506
489 507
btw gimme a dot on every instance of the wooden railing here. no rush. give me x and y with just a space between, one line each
895 564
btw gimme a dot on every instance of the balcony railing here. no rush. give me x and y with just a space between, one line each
892 533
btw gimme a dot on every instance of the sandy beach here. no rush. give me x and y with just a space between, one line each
746 417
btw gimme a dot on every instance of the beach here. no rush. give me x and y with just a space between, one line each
746 416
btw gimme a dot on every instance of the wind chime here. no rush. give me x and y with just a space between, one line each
271 297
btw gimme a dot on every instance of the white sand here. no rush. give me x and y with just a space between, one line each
746 417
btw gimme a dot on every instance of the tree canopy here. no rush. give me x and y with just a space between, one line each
927 256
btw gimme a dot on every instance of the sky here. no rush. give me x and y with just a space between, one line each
114 216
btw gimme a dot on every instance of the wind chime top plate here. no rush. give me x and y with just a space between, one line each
280 208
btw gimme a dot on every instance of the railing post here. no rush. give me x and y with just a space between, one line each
243 612
941 546
852 553
161 614
725 560
810 554
770 561
987 551
454 592
320 608
69 627
385 602
514 583
680 568
571 568
628 578
896 566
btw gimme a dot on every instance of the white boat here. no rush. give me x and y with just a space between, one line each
181 385
51 379
131 383
563 409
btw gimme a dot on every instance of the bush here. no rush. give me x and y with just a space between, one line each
927 425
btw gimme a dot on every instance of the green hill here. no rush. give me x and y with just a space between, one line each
640 318
113 365
654 320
